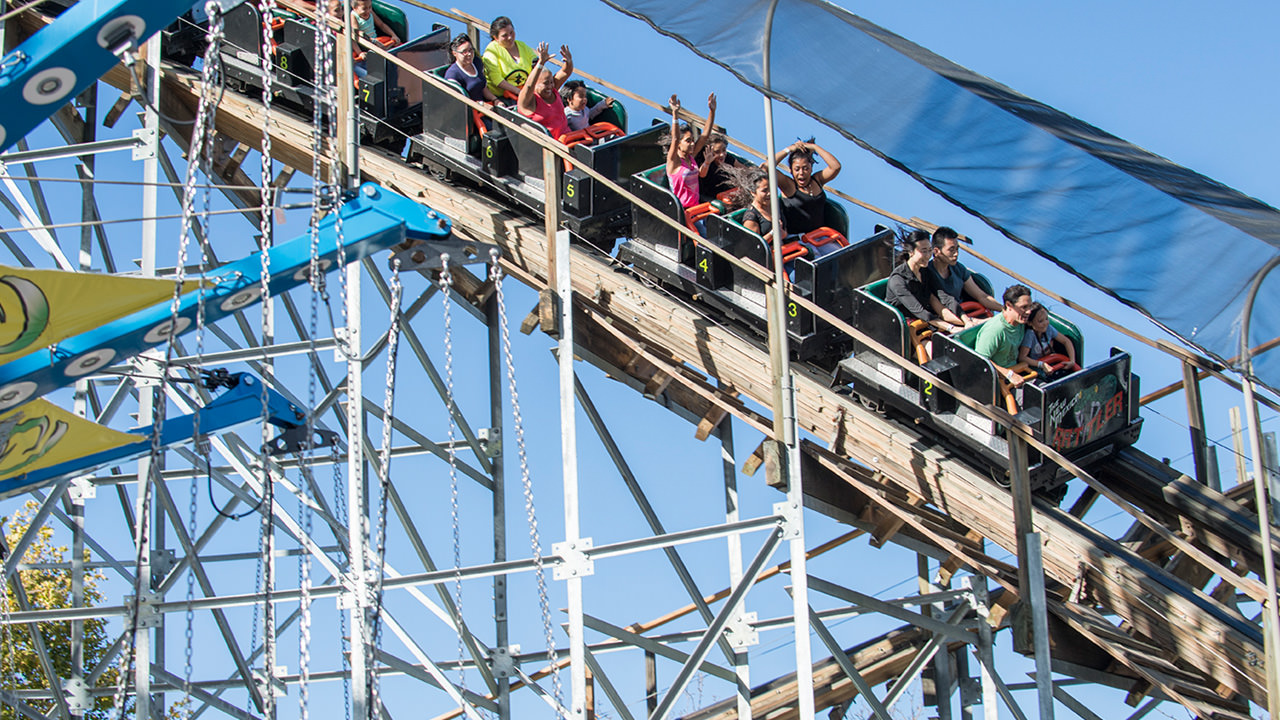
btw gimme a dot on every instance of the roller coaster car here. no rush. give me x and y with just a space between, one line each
184 40
242 51
1086 415
828 280
390 98
454 141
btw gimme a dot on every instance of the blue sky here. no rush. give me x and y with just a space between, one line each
1189 81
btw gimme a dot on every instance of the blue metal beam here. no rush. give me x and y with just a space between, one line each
373 220
239 404
70 54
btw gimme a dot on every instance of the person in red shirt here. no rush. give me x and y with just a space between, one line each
540 97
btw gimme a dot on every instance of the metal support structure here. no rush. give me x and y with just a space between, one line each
741 659
573 540
663 711
784 410
1270 613
942 680
1040 626
357 514
1030 570
501 622
984 651
498 665
83 150
878 709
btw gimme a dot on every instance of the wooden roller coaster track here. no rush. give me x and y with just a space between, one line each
1147 607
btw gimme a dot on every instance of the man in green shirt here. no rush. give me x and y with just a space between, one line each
998 338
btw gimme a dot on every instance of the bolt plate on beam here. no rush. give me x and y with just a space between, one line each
573 559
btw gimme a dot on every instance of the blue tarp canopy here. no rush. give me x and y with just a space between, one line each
1179 247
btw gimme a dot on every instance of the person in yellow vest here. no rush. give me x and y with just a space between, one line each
507 61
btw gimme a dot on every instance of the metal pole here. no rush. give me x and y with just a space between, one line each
1271 622
351 119
984 651
942 661
784 410
1030 569
1040 626
146 409
569 460
77 493
348 176
502 639
741 663
358 604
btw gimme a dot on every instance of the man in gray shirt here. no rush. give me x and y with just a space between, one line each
952 282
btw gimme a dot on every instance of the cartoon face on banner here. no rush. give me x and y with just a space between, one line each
24 313
27 438
39 308
38 435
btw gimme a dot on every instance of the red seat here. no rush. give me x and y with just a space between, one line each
823 236
1058 361
697 212
793 250
975 310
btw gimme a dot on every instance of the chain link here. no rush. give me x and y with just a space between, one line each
213 60
202 145
266 229
316 279
535 542
340 511
384 487
446 287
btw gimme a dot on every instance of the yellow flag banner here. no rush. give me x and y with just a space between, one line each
41 307
39 434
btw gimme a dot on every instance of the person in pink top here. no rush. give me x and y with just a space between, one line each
540 97
682 165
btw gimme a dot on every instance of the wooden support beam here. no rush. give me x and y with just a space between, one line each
710 422
532 320
117 109
890 524
754 460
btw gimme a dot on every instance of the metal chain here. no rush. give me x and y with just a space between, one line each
323 114
202 142
535 542
316 279
384 486
213 59
446 287
266 229
340 510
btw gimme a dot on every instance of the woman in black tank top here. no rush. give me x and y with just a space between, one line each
804 202
758 217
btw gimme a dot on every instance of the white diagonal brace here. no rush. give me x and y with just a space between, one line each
717 626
